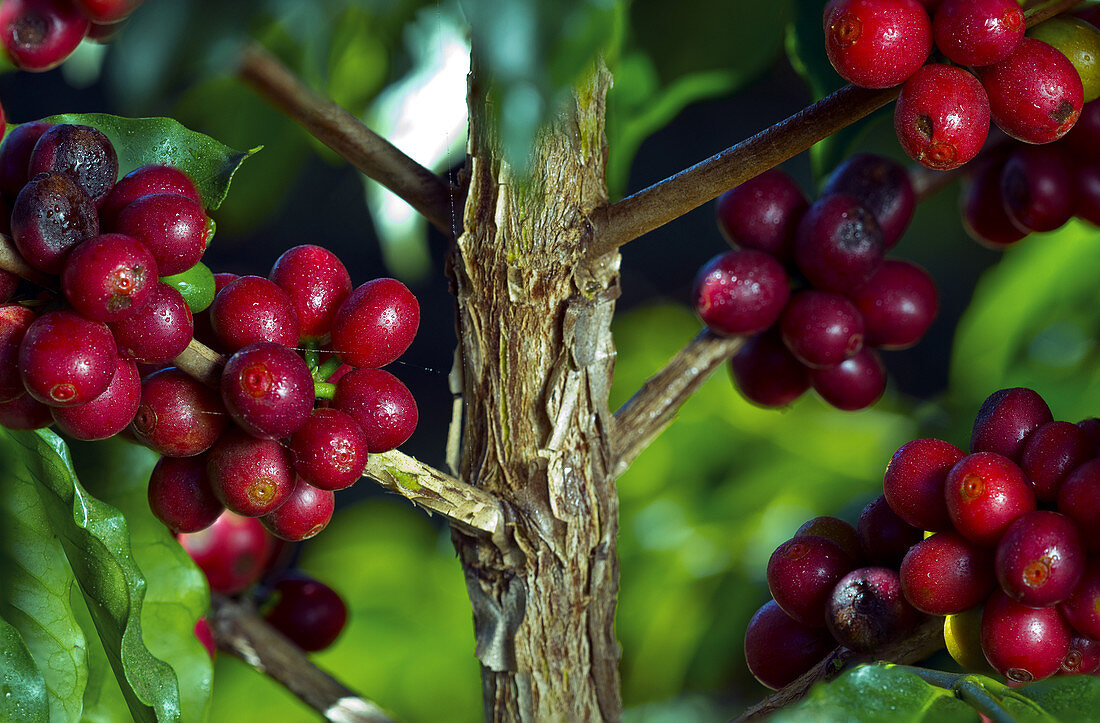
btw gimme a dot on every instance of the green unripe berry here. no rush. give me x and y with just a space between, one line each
196 285
1080 42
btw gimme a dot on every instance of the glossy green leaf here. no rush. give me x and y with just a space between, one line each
96 540
104 701
34 594
117 472
23 694
142 141
879 692
1065 697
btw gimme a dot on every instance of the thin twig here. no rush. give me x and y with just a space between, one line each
653 407
239 631
344 133
653 207
925 640
201 362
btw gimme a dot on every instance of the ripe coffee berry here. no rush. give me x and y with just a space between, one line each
143 182
856 383
1040 559
180 494
978 32
14 321
157 332
178 416
66 360
766 373
250 476
1082 139
838 244
1077 499
877 43
802 573
82 153
986 492
1083 657
1023 643
778 649
947 574
898 304
107 11
109 277
110 412
1051 453
1082 607
15 155
304 514
983 212
330 449
252 309
39 34
884 537
763 213
375 324
835 529
267 389
384 407
232 552
821 329
1035 95
1080 43
24 412
317 284
1005 420
51 215
942 117
914 482
308 612
1037 186
867 611
173 226
882 187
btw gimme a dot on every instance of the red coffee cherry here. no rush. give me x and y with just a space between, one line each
854 384
330 449
107 11
978 32
109 277
25 412
308 612
884 537
157 332
898 304
763 213
1082 607
942 116
178 416
375 324
835 529
232 552
1051 453
1023 643
778 648
839 244
765 372
66 359
1040 559
1079 499
877 43
986 492
110 412
304 514
317 284
268 390
802 573
252 309
914 482
180 494
947 574
1005 420
384 407
1035 95
250 476
145 181
14 321
39 34
173 226
821 329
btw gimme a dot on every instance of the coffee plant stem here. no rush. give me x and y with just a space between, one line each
623 221
430 195
240 631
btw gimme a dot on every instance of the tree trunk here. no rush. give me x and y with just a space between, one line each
537 357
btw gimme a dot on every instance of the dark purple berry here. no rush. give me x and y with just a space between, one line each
855 383
1053 451
1037 188
15 155
82 153
983 210
1082 607
867 611
883 536
821 329
779 649
882 187
1079 499
835 529
308 612
802 573
1005 420
839 244
898 304
51 215
766 373
763 213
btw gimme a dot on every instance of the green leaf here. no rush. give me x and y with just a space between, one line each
22 688
879 692
117 472
1065 697
141 141
34 596
96 540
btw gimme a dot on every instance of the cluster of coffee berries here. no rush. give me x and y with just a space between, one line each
1016 189
237 554
39 35
1033 88
847 298
1004 541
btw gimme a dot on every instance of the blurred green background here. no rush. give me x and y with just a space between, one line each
705 505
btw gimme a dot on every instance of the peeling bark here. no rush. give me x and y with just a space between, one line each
537 356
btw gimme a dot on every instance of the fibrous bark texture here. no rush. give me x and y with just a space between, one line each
536 359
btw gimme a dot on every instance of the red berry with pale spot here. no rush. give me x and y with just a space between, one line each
159 331
232 552
1023 643
942 117
330 449
66 360
268 390
110 412
109 277
877 43
250 476
978 32
178 415
986 492
1040 559
251 309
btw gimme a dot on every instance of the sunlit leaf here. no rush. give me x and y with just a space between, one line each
22 689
